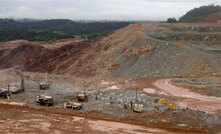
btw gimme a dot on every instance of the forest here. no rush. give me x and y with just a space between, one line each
50 30
200 14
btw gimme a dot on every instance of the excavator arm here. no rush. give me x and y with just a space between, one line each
163 100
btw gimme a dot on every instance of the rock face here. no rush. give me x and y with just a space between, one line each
142 50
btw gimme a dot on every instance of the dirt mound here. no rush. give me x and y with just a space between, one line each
18 57
142 50
215 18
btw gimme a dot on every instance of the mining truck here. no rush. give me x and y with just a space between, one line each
82 96
73 105
4 93
45 100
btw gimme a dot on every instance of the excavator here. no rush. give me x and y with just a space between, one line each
163 100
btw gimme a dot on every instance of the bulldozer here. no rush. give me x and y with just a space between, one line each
163 100
82 96
45 85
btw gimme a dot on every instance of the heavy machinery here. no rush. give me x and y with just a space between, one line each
163 100
4 93
44 100
73 105
13 88
45 85
136 107
82 96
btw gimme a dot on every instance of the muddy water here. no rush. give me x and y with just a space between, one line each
187 98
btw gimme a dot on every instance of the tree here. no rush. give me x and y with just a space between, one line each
171 20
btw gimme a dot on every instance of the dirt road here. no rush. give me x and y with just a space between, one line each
187 98
18 119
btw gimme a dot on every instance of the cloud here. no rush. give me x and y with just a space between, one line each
99 9
21 12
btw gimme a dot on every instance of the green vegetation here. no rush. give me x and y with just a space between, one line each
49 30
199 14
171 20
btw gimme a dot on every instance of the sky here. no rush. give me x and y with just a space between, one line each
99 9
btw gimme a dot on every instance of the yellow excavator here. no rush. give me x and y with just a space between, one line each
163 100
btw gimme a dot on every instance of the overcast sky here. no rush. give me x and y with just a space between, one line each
99 9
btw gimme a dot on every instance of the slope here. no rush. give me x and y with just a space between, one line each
141 50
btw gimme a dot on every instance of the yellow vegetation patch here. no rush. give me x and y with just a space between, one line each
11 103
179 43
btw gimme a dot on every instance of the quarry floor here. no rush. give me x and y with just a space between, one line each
197 110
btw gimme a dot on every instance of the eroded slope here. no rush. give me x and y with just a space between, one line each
142 50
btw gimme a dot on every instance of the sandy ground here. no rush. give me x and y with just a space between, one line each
185 97
17 119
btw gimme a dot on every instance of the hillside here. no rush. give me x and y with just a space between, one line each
208 13
142 50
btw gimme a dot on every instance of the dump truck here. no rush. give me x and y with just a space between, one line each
4 93
44 100
73 105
